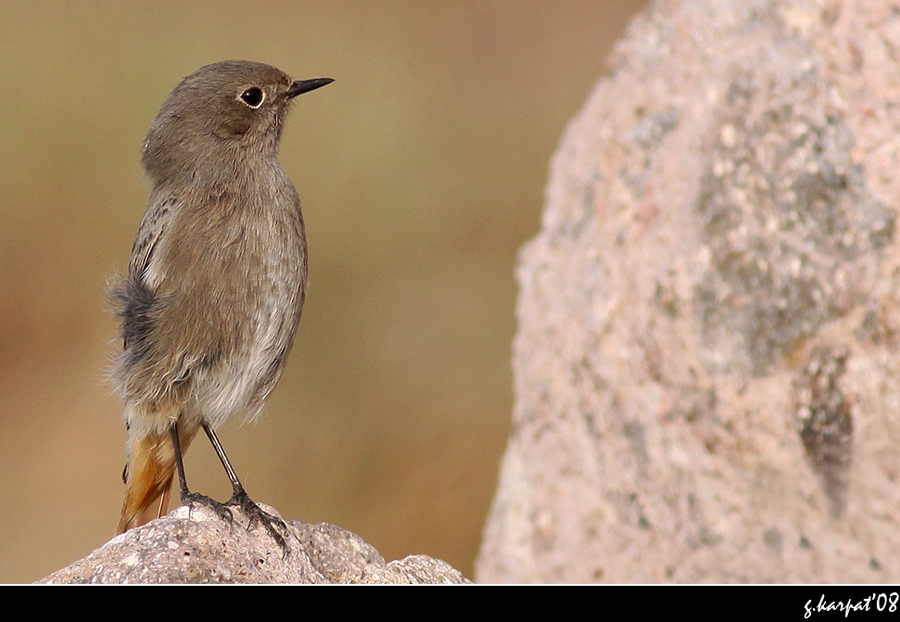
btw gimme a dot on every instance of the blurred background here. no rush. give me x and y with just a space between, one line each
421 171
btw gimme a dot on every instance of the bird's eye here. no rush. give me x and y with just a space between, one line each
253 97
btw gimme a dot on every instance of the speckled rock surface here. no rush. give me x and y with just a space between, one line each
196 546
707 366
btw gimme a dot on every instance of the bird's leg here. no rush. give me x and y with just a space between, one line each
189 498
273 524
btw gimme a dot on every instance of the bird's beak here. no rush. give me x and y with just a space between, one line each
305 86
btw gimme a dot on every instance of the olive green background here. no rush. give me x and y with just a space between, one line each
421 172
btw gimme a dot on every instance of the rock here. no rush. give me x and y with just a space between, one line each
196 546
707 374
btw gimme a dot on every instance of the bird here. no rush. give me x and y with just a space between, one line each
216 281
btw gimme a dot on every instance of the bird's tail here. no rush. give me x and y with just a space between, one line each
149 469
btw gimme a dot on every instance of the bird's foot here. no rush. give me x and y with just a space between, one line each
191 498
276 527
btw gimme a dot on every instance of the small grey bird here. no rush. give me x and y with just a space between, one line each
216 281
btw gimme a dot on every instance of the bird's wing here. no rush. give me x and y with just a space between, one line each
181 269
153 224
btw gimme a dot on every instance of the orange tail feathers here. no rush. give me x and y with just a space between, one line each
149 471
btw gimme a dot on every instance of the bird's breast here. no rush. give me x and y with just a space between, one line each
231 284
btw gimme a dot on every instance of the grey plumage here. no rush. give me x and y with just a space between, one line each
217 276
